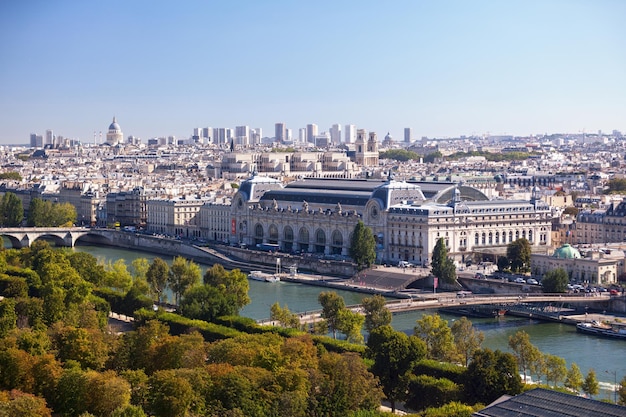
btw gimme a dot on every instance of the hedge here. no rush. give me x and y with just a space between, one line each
426 391
438 369
181 325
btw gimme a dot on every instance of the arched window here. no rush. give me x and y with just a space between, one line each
490 238
273 234
510 236
530 235
320 241
258 233
476 239
484 239
497 237
337 242
288 234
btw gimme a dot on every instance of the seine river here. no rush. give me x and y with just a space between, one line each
605 356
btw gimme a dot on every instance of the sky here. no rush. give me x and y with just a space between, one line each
444 68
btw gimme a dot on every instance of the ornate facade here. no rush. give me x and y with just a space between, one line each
407 218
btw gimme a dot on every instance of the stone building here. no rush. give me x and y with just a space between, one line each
407 218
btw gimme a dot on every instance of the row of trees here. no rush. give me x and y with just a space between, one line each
41 213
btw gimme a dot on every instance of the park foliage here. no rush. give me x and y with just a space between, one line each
60 355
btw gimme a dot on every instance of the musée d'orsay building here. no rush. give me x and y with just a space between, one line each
407 218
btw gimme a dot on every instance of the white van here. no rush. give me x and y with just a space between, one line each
405 264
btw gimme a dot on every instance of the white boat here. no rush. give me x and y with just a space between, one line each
262 276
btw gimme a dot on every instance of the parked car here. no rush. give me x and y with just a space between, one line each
479 275
520 280
532 281
614 292
405 264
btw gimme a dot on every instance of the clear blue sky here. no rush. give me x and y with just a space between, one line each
443 68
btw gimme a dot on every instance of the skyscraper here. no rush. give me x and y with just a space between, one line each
242 135
311 132
335 134
407 135
302 135
49 138
350 134
280 132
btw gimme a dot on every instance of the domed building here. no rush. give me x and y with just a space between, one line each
114 135
566 251
596 268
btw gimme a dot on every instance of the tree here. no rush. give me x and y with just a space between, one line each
393 352
157 277
574 378
590 385
442 266
170 395
117 276
518 253
285 317
48 214
556 370
437 335
526 353
491 375
183 274
233 284
555 280
363 246
140 268
466 339
20 404
503 263
205 302
8 316
11 210
350 323
376 312
332 304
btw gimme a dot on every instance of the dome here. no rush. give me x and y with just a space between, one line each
114 125
566 252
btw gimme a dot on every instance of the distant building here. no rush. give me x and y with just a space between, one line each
349 134
36 141
311 132
114 135
407 135
280 132
596 268
335 134
601 226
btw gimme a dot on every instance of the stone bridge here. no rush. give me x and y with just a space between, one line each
21 237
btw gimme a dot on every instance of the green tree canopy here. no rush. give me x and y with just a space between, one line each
525 352
157 276
437 335
466 339
49 214
518 254
363 246
332 305
376 312
442 266
401 155
11 210
590 385
491 375
183 274
574 378
232 283
393 353
555 280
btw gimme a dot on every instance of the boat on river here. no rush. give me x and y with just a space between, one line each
605 330
474 311
262 276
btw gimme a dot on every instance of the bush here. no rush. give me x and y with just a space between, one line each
436 369
426 391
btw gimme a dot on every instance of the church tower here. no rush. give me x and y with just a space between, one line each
114 135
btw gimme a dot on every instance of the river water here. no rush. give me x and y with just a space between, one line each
605 356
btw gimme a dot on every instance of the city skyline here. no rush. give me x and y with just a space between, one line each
443 69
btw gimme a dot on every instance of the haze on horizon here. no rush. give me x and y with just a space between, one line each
444 68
